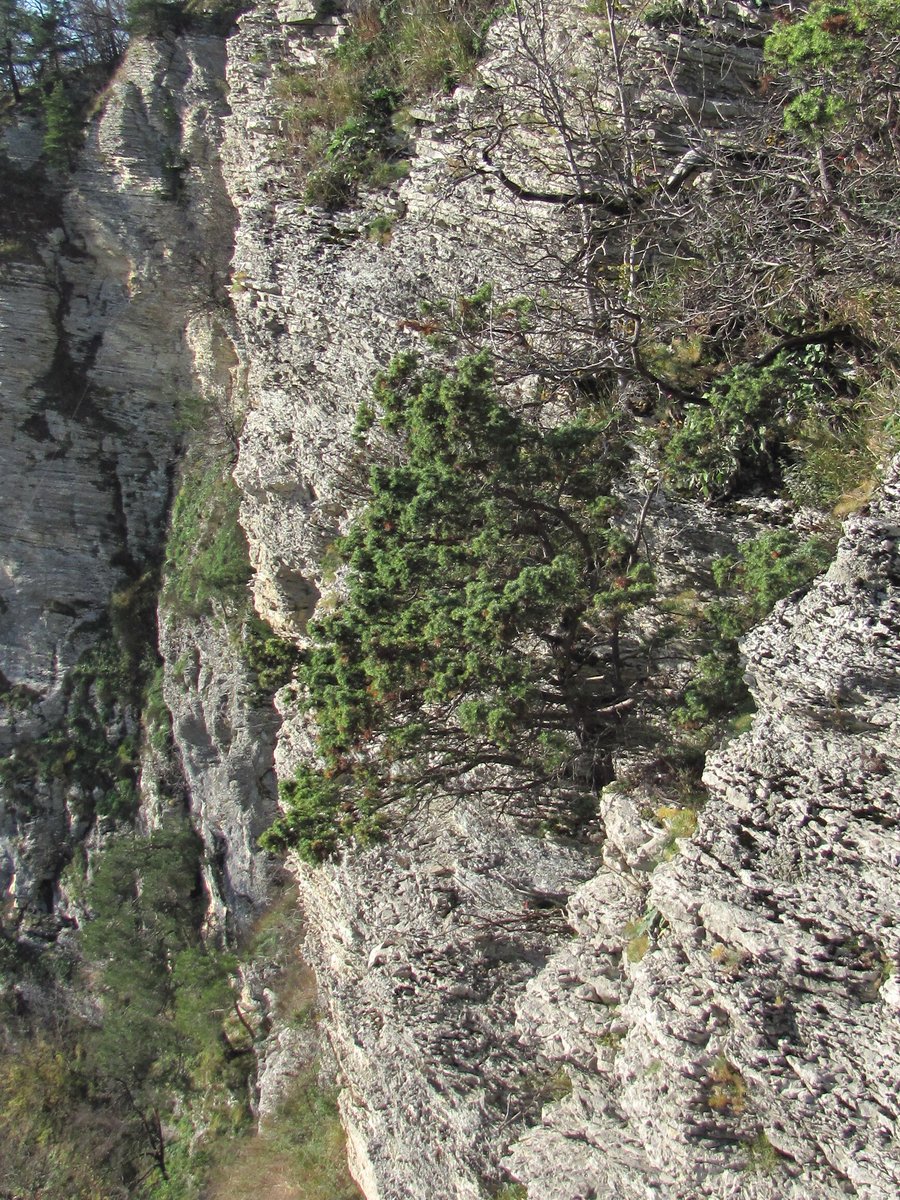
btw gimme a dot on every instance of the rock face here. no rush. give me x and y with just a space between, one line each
121 316
113 315
225 736
645 1016
722 1031
749 1037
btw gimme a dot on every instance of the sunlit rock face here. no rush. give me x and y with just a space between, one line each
613 1020
751 1038
113 313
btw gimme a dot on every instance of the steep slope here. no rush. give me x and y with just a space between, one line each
630 1014
748 1042
116 320
424 949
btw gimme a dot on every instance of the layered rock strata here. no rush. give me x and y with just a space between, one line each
114 320
421 950
729 1017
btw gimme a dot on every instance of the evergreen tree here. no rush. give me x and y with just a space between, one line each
478 642
64 131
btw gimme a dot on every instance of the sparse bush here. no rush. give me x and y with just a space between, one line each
745 427
726 1090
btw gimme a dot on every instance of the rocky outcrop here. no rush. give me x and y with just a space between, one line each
421 952
728 1018
225 734
112 313
645 1014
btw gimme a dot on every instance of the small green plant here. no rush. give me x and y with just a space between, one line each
744 428
767 569
762 1157
64 131
813 112
641 934
716 687
381 228
157 718
669 14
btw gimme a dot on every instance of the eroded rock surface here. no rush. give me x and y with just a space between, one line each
113 314
744 1041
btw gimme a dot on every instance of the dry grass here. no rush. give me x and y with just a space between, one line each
301 1156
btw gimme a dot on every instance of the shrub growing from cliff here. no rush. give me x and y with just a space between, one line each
486 582
843 56
755 421
766 570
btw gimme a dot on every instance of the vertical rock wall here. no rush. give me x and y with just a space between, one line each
114 318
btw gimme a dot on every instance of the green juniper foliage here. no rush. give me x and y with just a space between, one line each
767 569
63 134
486 580
751 423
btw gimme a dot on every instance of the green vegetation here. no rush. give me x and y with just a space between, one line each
206 554
272 660
93 748
755 422
641 934
669 14
512 1191
825 50
341 118
770 567
111 1105
762 1157
484 534
767 569
64 131
302 1150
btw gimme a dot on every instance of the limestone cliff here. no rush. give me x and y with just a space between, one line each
115 317
453 1008
747 988
629 1015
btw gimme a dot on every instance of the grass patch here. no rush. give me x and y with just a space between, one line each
762 1157
340 118
726 1091
300 1156
207 560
